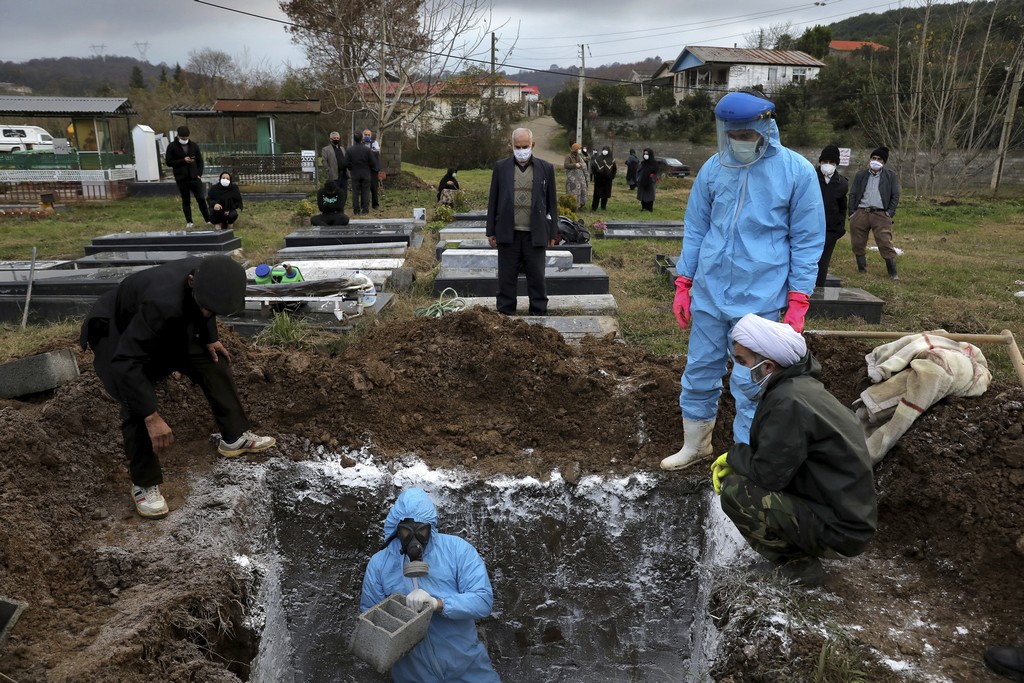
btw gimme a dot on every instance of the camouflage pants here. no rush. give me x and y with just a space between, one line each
778 526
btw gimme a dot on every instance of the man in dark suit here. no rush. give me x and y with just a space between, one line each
522 210
336 165
363 168
186 160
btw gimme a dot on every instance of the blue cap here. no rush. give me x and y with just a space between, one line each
742 106
262 270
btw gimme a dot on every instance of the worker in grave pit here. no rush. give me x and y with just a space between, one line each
803 488
456 589
158 321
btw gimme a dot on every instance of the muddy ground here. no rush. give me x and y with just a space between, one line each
114 598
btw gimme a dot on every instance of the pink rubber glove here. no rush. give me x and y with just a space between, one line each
681 304
796 311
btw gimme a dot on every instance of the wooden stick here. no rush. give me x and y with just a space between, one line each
1006 337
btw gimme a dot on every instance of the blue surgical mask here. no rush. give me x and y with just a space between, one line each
749 381
744 151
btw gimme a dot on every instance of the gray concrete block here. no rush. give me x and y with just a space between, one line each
460 233
558 305
37 373
325 251
488 258
388 631
10 612
644 233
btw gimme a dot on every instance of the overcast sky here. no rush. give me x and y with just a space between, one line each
538 32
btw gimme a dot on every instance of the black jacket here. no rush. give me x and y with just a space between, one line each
603 168
228 197
361 161
444 184
154 318
647 180
501 217
175 158
329 203
833 194
888 188
805 443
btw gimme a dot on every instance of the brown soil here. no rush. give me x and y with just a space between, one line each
113 598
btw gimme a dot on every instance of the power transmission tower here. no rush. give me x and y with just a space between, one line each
143 48
99 51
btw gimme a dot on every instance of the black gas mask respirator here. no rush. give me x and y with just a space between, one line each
413 536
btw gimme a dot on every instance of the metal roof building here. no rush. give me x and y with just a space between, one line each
66 106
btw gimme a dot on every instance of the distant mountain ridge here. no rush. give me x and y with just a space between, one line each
79 76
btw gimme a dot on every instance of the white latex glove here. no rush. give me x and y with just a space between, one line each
419 599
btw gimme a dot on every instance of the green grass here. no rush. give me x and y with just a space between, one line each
958 272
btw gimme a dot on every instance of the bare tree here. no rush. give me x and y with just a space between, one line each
940 103
386 58
771 37
214 67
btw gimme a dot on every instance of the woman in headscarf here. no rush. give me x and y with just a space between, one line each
576 176
447 188
646 180
603 168
225 202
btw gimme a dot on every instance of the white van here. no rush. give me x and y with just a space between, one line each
20 138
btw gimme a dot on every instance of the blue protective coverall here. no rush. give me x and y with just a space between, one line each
451 652
751 236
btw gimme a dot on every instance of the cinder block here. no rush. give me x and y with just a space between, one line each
388 631
37 373
10 611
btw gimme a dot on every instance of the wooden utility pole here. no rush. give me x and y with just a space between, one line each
1004 139
579 98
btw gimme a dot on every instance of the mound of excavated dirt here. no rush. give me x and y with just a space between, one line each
113 598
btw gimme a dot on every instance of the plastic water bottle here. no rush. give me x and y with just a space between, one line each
367 290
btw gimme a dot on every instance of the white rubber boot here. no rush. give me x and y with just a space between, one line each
696 445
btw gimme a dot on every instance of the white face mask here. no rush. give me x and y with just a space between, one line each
875 165
744 151
827 169
647 156
604 152
183 141
522 155
224 182
453 175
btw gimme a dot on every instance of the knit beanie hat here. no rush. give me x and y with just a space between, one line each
882 153
830 153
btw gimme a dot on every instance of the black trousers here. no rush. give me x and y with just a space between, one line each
647 206
223 217
521 256
602 192
360 195
374 189
826 258
326 219
195 188
216 382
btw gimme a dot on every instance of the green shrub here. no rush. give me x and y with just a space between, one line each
306 208
443 214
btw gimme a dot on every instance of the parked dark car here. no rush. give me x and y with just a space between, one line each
672 167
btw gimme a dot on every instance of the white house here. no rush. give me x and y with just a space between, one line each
721 69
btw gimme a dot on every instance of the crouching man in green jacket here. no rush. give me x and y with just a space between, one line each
803 488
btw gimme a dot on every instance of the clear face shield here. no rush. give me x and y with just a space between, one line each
741 143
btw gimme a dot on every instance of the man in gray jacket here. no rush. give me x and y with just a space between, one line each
336 165
874 196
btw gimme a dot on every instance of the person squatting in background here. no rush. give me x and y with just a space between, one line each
331 202
447 188
225 201
754 230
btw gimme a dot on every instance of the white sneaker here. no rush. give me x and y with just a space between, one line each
247 443
148 502
188 226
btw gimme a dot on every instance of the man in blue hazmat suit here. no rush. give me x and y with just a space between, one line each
457 589
754 231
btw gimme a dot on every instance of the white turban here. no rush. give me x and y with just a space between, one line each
776 341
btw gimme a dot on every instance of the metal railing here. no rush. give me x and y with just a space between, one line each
81 161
